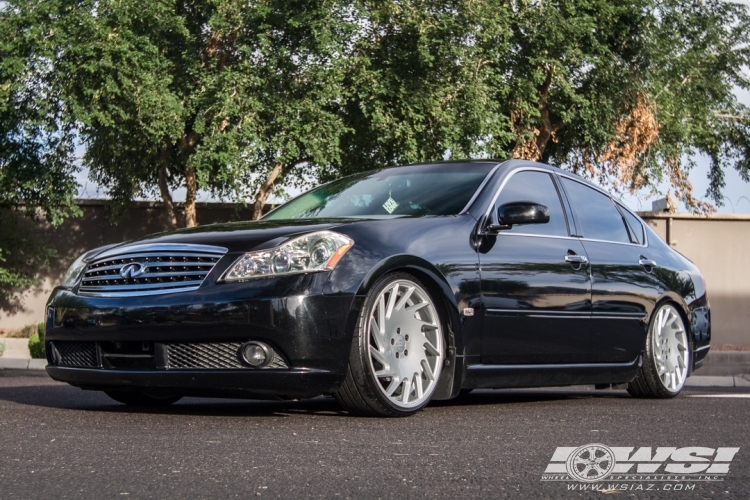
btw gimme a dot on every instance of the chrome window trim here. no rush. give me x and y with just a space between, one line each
567 238
612 242
478 190
505 181
596 188
539 236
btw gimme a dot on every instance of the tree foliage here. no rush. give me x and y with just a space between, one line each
36 150
239 98
418 85
626 93
211 95
629 92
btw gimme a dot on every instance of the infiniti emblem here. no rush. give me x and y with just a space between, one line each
133 270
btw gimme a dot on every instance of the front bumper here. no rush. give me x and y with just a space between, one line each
294 382
310 331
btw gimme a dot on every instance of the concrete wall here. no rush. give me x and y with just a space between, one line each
719 245
93 229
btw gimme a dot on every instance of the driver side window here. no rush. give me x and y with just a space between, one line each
537 187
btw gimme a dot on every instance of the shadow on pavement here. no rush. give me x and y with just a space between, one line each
38 390
71 398
511 396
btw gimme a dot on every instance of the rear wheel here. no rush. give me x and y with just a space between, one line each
397 352
667 358
132 398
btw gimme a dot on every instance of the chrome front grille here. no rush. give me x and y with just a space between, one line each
149 269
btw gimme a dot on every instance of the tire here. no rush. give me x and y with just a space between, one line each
667 356
399 315
131 398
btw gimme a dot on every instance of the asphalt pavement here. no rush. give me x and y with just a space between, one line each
61 442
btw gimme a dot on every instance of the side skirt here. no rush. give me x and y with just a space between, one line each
480 376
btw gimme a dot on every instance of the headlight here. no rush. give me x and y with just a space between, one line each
76 268
74 272
312 252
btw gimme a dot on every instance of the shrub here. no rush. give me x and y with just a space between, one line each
23 333
36 343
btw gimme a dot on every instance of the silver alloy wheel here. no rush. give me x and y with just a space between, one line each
405 344
670 348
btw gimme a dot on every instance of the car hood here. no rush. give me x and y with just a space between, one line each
238 236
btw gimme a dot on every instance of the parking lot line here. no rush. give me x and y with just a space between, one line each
719 395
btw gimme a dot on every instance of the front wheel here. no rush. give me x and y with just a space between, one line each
397 352
667 358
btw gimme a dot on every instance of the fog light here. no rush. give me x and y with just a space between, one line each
255 354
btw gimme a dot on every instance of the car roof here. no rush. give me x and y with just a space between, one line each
510 164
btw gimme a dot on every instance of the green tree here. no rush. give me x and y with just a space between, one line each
37 167
629 92
239 99
624 92
417 85
224 96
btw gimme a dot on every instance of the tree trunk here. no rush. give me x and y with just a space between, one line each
546 130
533 147
265 190
191 185
166 196
187 144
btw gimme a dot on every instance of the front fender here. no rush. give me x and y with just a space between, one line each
439 286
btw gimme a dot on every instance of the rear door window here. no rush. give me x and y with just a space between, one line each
599 218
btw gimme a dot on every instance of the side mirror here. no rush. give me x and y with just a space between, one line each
523 212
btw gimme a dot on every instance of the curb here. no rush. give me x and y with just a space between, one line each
718 381
22 364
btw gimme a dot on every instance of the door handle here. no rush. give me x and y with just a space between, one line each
576 259
646 262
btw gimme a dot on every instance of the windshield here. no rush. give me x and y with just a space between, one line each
442 189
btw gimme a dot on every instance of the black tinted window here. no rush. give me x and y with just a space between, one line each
635 226
537 187
598 216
